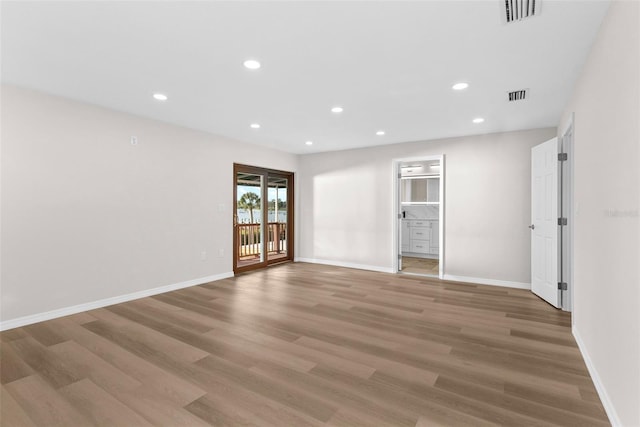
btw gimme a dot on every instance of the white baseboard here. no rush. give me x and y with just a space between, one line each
492 282
67 311
478 280
597 382
346 264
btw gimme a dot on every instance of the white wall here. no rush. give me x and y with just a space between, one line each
606 102
88 216
346 199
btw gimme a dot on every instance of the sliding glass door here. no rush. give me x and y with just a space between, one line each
263 217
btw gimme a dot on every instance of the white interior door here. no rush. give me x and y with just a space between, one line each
544 221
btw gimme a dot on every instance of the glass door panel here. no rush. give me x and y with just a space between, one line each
277 200
248 220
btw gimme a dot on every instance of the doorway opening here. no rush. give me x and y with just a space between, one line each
263 217
418 216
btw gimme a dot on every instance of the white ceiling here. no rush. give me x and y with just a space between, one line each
390 64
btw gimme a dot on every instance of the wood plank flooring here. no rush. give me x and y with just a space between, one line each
415 265
304 345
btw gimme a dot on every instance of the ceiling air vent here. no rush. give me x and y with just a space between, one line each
517 10
519 95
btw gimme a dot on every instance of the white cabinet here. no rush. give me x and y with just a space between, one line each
419 223
420 246
420 233
420 237
405 236
434 247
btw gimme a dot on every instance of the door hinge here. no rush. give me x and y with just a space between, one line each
399 175
399 216
562 221
563 157
562 286
399 257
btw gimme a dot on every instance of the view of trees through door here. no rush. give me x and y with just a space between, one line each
263 217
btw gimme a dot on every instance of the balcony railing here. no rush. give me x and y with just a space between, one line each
249 239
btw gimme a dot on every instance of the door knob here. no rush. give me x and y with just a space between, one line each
532 226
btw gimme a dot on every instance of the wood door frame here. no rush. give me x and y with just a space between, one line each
264 211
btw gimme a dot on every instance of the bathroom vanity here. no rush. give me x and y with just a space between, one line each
420 238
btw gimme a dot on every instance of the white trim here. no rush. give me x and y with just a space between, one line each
396 223
492 282
602 392
67 311
569 124
477 280
443 219
567 145
346 264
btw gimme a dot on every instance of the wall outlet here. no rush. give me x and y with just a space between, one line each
220 253
203 255
134 140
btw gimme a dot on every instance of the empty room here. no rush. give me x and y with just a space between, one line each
309 213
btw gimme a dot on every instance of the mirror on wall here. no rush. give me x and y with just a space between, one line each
420 190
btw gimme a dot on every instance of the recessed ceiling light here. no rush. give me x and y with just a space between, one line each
309 142
460 86
251 64
380 133
255 126
337 109
478 120
160 96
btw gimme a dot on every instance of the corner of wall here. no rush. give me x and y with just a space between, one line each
597 382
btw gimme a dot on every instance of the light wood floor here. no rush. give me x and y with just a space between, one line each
420 265
302 344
